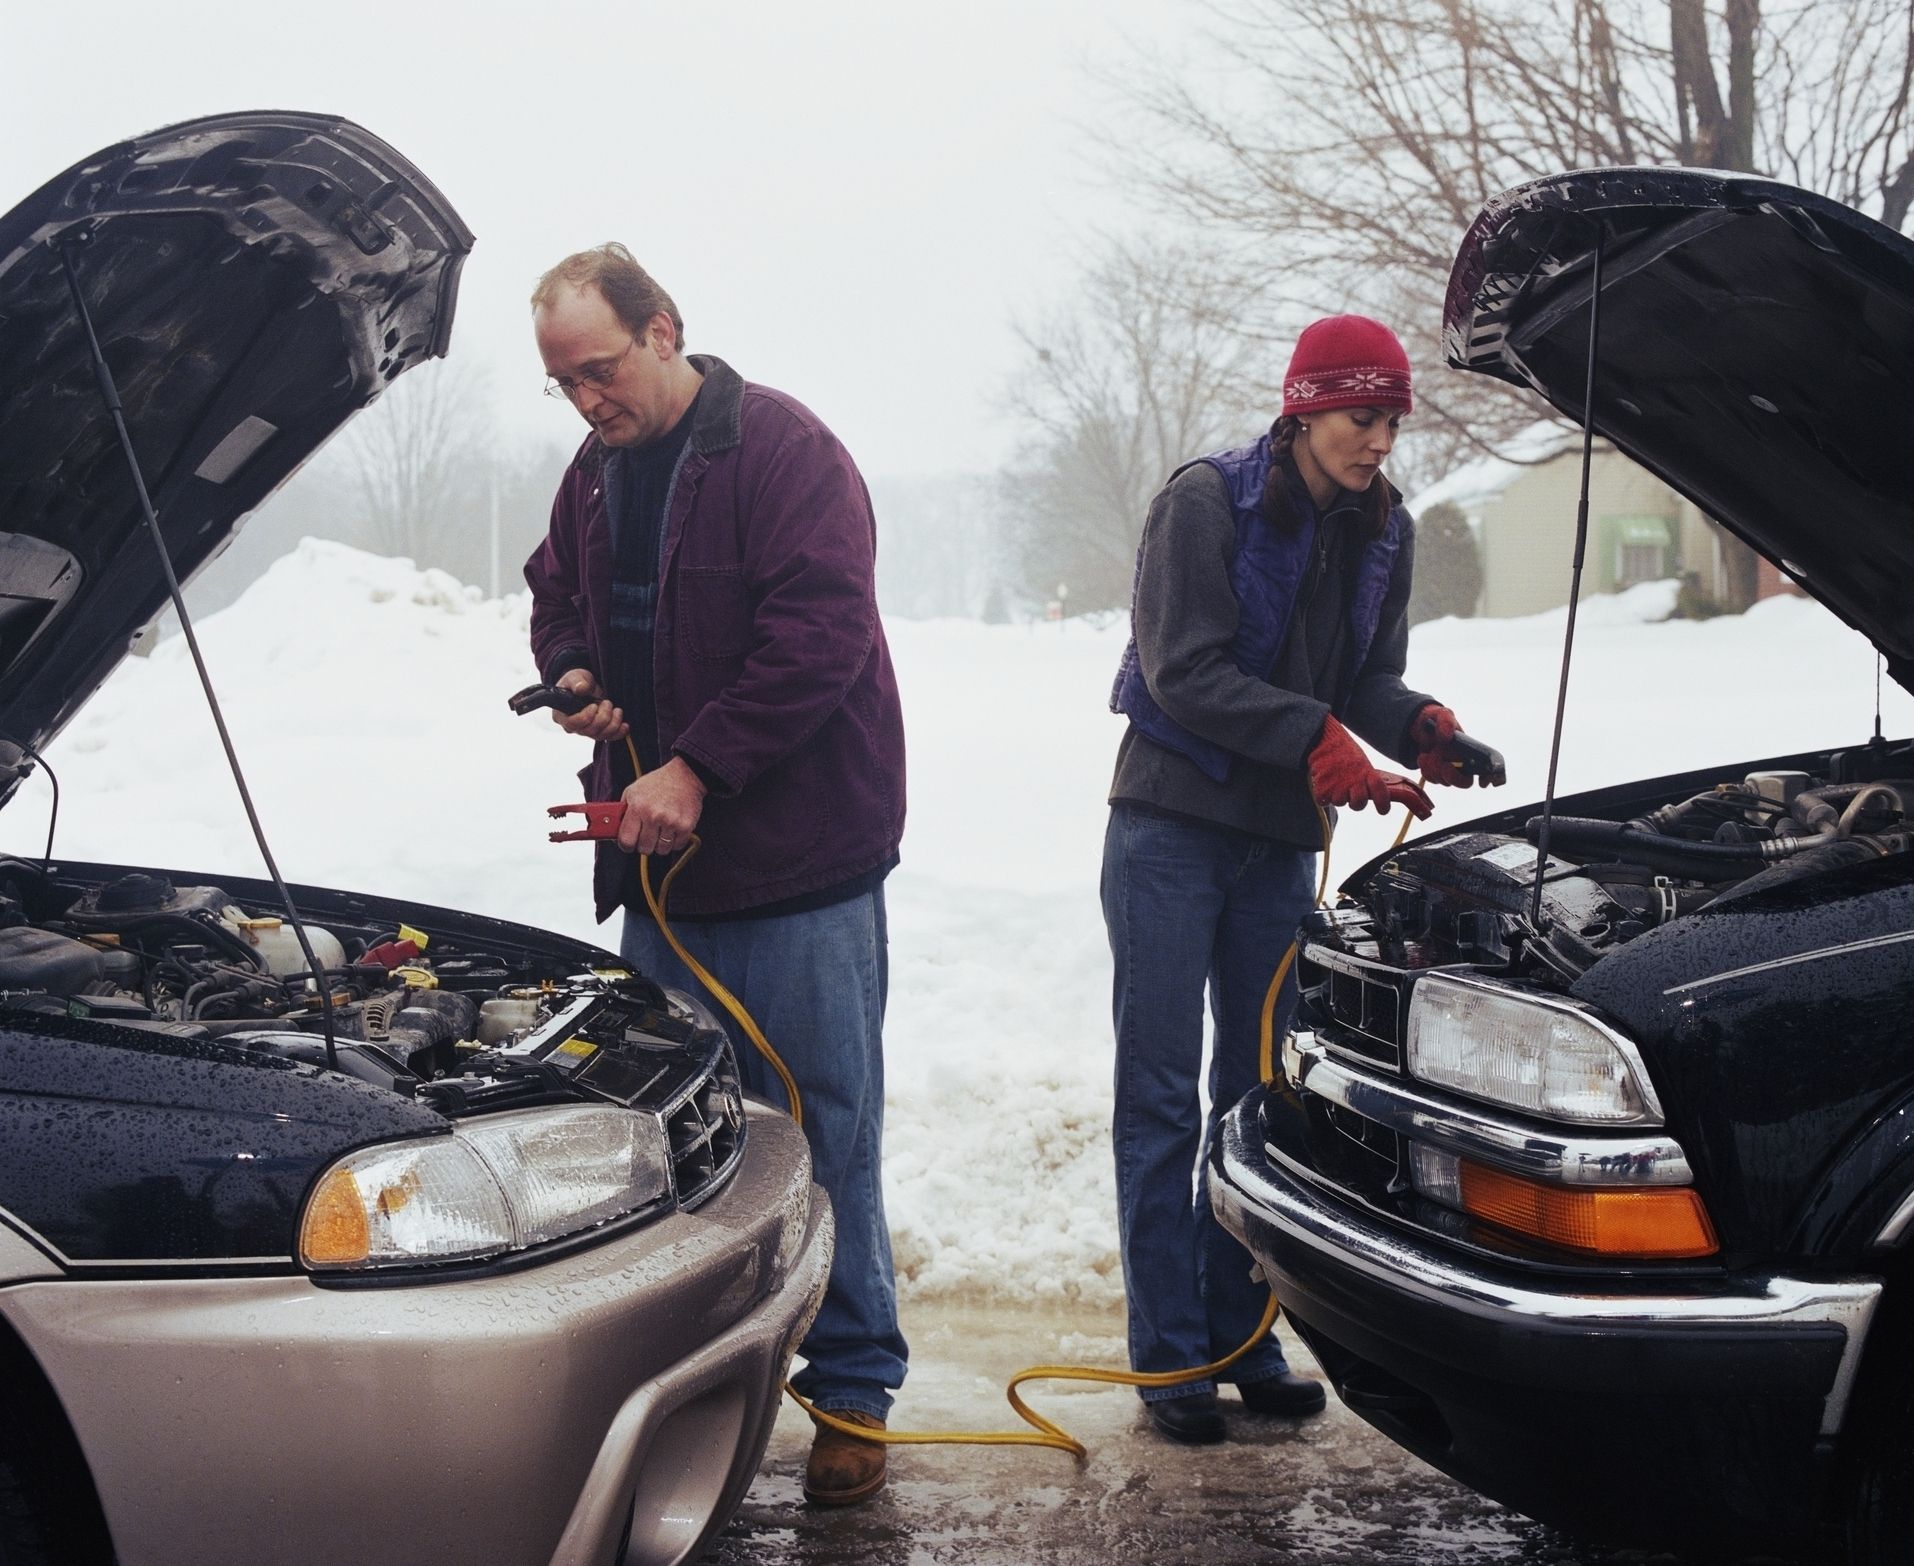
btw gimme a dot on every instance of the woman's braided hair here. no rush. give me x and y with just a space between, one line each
1377 501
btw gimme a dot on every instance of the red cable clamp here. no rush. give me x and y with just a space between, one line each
602 820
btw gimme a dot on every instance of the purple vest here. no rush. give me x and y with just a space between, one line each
1265 574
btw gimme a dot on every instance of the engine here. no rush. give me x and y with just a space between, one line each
412 1013
1469 897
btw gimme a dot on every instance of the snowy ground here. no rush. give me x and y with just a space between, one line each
367 699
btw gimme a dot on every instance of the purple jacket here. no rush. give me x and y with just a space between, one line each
771 669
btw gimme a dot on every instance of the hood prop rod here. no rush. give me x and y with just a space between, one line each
110 395
1575 581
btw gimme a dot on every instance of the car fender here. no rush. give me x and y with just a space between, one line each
1864 1202
21 1260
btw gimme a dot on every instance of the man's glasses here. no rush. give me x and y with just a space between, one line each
596 376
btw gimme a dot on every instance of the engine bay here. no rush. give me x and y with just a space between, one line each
429 1016
1469 896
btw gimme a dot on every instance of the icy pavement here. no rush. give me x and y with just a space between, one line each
1327 1491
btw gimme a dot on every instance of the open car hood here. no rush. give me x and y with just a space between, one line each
254 279
1756 352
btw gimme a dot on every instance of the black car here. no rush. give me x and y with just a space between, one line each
1600 1200
409 1236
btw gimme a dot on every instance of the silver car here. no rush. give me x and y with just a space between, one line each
475 1251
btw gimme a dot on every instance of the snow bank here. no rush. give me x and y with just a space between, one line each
367 699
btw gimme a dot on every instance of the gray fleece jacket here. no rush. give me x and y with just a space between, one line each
1185 617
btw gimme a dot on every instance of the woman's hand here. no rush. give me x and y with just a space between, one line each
1340 774
1431 730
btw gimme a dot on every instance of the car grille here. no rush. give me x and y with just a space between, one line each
706 1133
1381 1146
1355 1006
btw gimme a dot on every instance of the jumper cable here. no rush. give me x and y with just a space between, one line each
602 820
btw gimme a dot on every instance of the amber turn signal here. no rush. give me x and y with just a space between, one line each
1650 1222
336 1229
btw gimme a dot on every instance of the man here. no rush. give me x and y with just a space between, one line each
707 581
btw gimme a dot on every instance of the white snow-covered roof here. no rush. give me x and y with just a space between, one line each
1486 476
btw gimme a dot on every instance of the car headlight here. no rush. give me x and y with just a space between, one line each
1539 1054
498 1183
694 1007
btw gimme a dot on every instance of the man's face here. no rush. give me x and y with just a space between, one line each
582 341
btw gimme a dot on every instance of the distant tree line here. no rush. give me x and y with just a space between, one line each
425 471
1148 367
1318 156
421 473
1296 158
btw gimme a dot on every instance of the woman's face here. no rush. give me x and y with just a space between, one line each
1349 445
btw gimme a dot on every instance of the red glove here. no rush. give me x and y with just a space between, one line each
1340 774
1431 730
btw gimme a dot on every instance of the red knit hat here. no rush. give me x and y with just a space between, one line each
1347 361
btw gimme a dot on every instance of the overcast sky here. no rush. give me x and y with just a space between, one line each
848 199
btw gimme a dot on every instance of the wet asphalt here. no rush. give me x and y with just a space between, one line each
1327 1491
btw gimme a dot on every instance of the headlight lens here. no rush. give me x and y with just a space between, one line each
694 1005
414 1202
1545 1057
499 1183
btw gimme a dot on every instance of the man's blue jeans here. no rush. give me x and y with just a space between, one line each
816 982
1189 904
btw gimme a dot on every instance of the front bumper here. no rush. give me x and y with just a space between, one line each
522 1418
1649 1412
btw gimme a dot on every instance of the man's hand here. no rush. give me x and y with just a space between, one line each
662 809
600 720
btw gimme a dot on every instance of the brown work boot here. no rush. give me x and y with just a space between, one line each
844 1470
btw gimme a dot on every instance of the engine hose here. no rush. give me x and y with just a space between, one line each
202 932
1677 856
1830 796
1670 816
1043 1432
1863 797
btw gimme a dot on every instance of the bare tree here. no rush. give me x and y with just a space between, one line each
1156 360
938 545
1837 79
413 462
1356 139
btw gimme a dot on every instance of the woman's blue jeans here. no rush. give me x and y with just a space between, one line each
1189 906
816 982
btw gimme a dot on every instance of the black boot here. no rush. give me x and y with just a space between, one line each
1194 1419
1283 1393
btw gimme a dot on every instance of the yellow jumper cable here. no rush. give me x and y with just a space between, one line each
1266 1038
655 901
1043 1432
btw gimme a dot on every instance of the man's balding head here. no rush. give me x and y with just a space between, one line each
611 271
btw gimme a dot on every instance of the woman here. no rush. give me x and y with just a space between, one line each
1272 589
